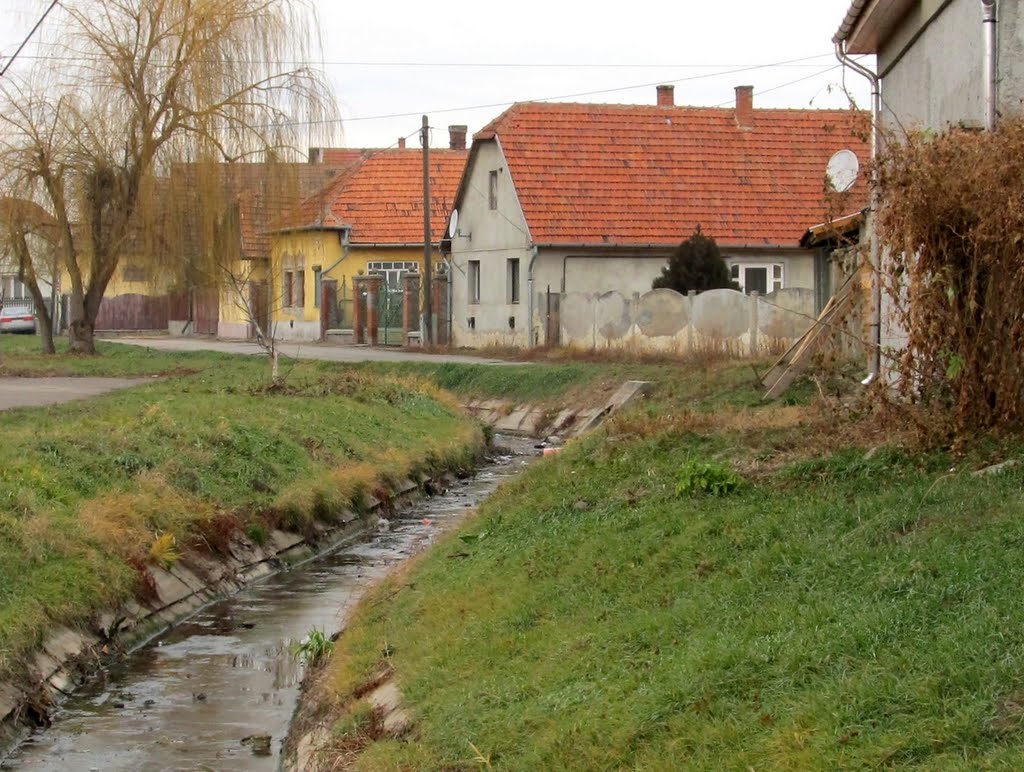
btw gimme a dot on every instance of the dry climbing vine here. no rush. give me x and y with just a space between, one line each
952 227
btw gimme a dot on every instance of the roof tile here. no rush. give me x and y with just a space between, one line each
625 174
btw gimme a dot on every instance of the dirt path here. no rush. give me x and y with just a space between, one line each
34 392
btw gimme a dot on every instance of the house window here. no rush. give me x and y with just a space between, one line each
513 280
392 271
492 190
763 278
288 289
317 280
473 274
300 289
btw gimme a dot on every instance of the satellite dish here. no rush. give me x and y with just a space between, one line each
453 223
842 170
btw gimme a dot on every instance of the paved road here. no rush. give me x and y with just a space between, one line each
33 392
331 353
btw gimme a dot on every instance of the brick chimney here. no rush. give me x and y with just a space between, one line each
457 137
666 96
401 143
745 107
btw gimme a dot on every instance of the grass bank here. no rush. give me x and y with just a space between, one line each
92 493
829 608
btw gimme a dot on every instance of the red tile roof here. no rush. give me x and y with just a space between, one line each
381 199
637 174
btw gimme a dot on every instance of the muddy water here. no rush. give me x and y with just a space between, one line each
187 701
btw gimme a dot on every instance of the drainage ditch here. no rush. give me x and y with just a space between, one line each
207 694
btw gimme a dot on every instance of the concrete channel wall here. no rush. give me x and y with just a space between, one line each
720 320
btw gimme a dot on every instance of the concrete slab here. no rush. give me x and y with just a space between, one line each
37 392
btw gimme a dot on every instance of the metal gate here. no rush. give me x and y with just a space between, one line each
390 302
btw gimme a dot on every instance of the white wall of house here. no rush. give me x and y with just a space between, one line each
932 70
484 299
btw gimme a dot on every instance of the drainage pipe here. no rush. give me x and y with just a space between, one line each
990 67
875 253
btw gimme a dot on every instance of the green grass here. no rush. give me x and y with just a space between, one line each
20 356
835 613
86 487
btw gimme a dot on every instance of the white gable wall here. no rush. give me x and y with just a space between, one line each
492 238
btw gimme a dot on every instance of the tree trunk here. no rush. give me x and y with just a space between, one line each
81 337
80 326
46 333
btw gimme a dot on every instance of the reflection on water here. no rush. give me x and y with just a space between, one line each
187 701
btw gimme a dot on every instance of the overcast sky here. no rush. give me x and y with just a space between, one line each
463 62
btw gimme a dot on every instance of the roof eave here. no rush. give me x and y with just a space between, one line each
309 228
868 24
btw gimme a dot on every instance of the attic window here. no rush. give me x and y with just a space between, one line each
492 190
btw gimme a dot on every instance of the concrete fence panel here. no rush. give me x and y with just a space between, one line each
662 313
577 318
663 320
786 313
612 316
721 314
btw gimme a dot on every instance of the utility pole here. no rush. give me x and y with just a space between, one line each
428 311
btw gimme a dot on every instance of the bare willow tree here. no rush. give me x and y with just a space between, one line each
127 90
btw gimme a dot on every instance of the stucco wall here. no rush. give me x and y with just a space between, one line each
938 81
306 250
664 320
492 237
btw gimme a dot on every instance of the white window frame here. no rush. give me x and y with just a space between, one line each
738 269
513 279
392 271
473 281
492 190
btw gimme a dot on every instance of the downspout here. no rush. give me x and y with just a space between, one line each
990 67
344 254
875 251
530 342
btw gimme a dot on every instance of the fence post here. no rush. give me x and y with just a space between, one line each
690 295
358 309
753 322
372 316
328 302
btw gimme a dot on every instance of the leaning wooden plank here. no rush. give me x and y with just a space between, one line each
818 336
776 370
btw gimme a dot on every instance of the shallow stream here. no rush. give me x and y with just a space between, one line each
189 699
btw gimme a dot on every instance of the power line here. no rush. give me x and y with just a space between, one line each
789 83
28 37
795 63
493 105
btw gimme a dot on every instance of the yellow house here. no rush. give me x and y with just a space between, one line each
369 219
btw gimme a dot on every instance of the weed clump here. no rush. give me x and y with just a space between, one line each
706 478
